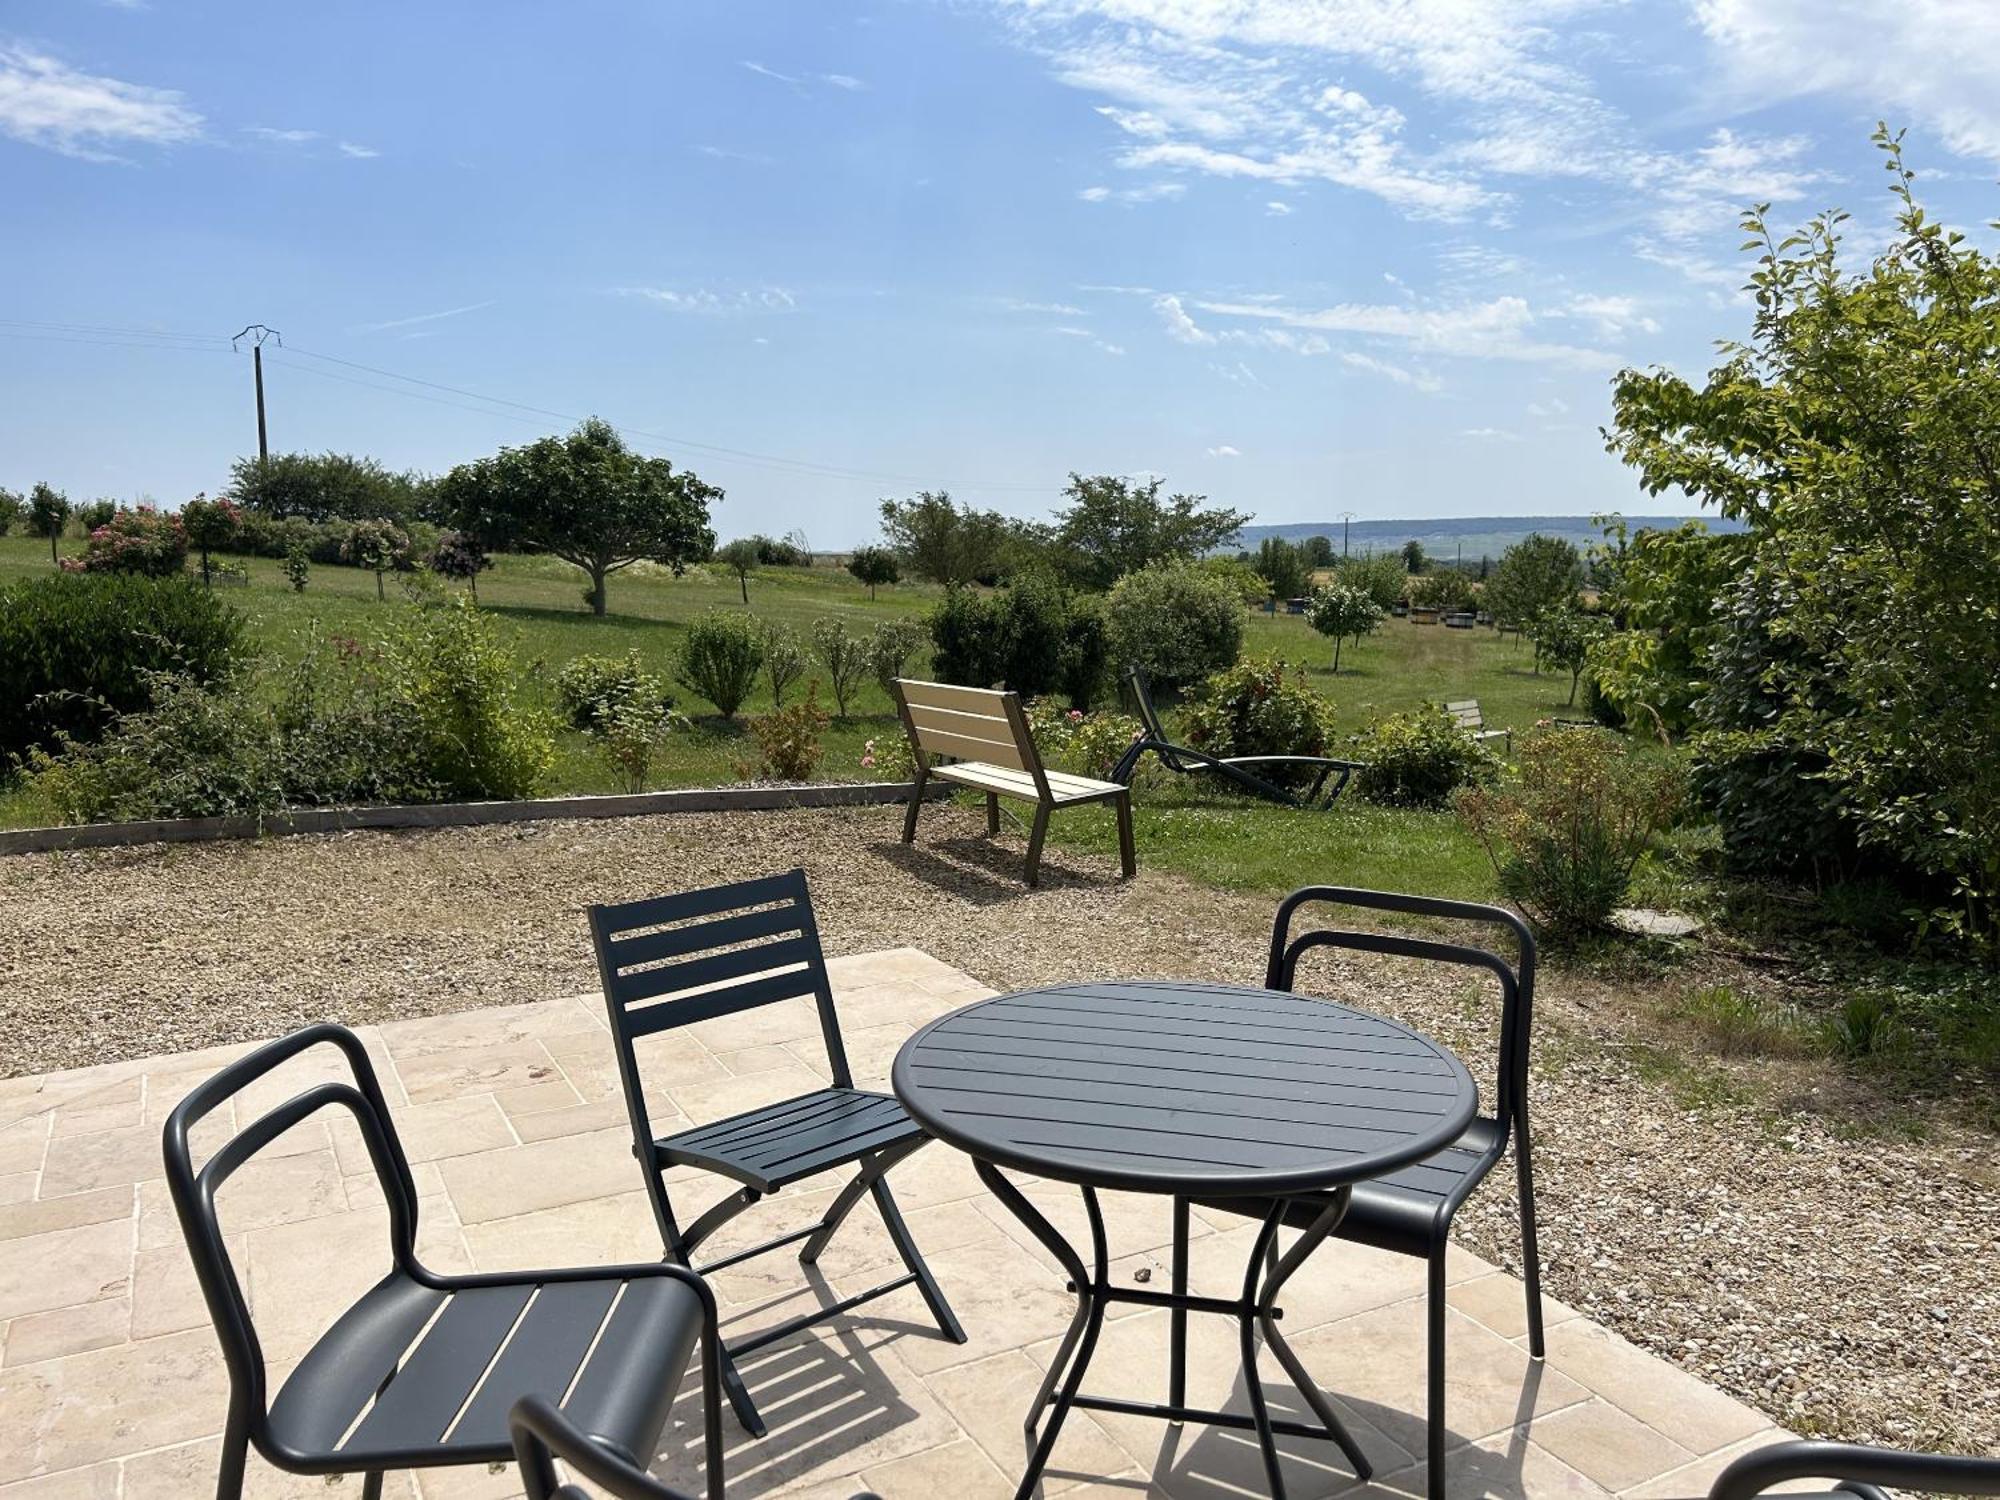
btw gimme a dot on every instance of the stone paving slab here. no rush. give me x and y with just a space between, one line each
112 1388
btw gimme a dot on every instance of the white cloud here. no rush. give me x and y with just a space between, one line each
1421 380
1276 209
1240 374
1555 406
47 103
1053 309
1103 346
1225 450
1500 328
770 299
1933 61
431 317
1093 194
1491 434
358 153
1181 328
772 73
1150 192
1612 317
283 137
845 81
728 153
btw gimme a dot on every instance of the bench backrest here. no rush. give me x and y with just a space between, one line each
1467 713
969 723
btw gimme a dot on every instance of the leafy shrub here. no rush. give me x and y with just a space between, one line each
848 659
94 513
1084 744
1280 569
1565 837
1447 589
140 541
1257 708
1419 759
720 659
785 659
1384 579
1176 622
789 737
458 555
889 757
890 649
1034 637
451 688
1342 610
589 687
75 652
631 731
11 506
298 568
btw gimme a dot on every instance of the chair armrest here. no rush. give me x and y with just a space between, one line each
1856 1469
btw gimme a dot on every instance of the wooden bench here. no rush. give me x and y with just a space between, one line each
995 753
1473 722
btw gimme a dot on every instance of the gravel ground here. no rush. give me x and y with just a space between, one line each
1846 1282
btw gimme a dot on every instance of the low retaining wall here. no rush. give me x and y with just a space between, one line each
455 815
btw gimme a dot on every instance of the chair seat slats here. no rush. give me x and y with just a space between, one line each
340 1374
781 1143
653 1327
416 1407
541 1358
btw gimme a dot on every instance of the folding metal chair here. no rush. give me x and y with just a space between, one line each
700 955
1410 1212
422 1370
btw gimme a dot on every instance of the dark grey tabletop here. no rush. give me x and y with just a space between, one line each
1186 1088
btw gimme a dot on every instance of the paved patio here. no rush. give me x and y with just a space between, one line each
111 1384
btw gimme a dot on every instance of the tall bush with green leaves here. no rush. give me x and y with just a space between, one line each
1535 575
892 649
1175 622
1567 832
1419 758
379 546
1382 578
1260 707
1343 612
1035 637
1853 433
48 513
847 657
720 659
785 658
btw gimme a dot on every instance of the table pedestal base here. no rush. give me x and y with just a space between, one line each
1256 1312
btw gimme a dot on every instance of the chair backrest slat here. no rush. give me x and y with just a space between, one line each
969 723
702 973
1466 711
702 937
649 1020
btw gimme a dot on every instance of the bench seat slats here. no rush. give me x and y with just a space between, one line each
1011 783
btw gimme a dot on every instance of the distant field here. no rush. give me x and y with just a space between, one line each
1467 537
1220 838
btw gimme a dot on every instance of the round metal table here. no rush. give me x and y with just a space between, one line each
1194 1091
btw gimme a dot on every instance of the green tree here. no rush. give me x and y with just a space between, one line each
11 506
1113 526
379 546
1563 637
1414 560
588 499
48 511
1854 433
1282 566
459 556
328 487
874 565
1343 612
210 524
1381 578
942 542
741 557
1536 574
1318 551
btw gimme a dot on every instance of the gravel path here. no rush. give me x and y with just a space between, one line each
1847 1284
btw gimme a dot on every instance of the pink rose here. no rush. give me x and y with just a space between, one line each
868 762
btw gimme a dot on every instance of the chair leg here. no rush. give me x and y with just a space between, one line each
1434 1447
235 1451
711 1409
371 1485
1531 1259
899 1232
1128 856
992 814
916 801
1036 834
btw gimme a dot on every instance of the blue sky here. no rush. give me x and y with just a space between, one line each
1306 256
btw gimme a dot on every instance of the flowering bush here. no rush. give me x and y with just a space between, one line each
1080 743
210 525
1258 708
789 737
889 757
139 541
379 546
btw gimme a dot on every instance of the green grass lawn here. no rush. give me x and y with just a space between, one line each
1182 825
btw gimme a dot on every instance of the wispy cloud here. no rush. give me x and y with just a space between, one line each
1491 434
730 153
1052 309
1150 192
1276 209
1103 346
358 153
429 317
47 103
845 81
772 73
1420 380
1225 450
713 303
281 137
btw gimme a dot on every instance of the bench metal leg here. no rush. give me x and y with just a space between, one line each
992 814
1128 856
916 801
1036 835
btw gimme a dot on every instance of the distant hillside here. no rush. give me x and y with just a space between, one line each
1477 536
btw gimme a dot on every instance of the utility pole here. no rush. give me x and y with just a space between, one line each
1345 517
257 333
